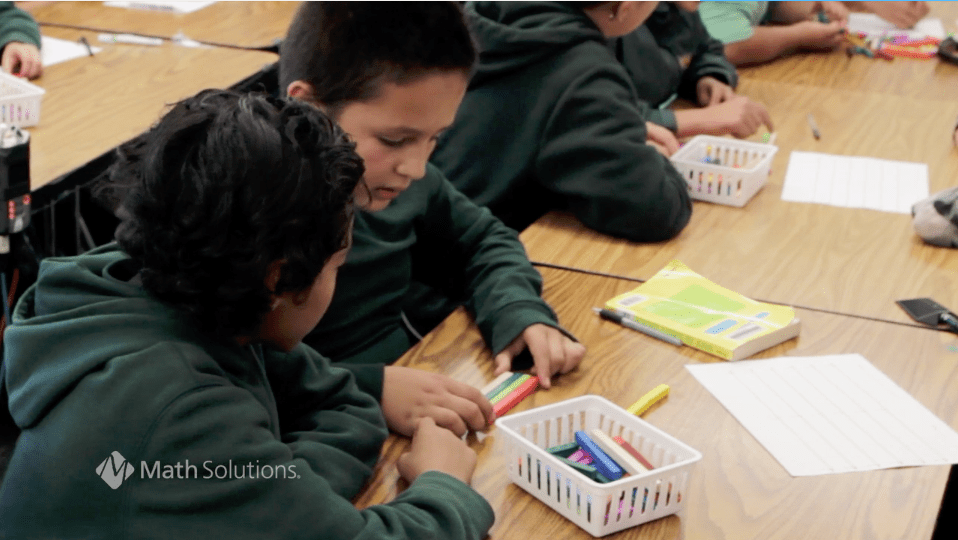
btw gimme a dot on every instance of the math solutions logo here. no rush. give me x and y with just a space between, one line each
115 469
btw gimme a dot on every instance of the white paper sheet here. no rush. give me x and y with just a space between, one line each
170 7
829 414
855 182
55 50
875 26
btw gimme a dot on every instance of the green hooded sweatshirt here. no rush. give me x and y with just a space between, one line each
17 25
430 250
552 120
136 426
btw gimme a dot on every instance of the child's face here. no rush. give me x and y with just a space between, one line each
294 315
396 132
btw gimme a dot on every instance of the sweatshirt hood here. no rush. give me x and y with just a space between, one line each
81 312
512 35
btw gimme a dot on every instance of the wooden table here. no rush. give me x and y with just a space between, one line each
848 260
738 490
92 104
238 24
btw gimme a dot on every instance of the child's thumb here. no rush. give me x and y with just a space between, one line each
503 362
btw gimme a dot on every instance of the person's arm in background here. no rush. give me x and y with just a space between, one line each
748 41
835 12
20 42
901 14
738 116
770 42
710 81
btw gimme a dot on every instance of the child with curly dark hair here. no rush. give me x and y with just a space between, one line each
160 382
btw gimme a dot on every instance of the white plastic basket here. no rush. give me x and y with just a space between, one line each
723 170
19 101
599 509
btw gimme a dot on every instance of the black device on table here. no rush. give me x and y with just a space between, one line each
927 311
948 50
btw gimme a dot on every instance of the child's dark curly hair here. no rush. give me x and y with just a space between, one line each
224 185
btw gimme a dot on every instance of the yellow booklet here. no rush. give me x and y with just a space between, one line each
704 315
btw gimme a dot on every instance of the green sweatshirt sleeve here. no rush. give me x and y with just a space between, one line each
708 60
369 377
501 287
247 483
593 151
664 117
17 25
325 418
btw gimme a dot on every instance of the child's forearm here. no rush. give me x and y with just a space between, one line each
792 12
767 43
692 122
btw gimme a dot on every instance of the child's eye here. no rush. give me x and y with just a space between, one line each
395 143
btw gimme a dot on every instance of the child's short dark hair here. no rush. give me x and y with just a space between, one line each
347 50
222 186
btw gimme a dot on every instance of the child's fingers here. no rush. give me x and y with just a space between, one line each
471 405
542 353
575 353
9 61
449 419
503 363
765 118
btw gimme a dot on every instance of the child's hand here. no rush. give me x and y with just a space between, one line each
409 395
436 449
711 91
836 12
817 36
21 59
739 116
901 14
661 138
552 352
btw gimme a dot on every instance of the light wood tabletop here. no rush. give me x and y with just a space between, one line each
92 104
240 24
738 490
849 260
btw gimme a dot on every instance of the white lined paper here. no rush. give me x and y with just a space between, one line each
855 182
829 414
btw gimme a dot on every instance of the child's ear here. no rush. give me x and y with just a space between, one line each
273 272
301 90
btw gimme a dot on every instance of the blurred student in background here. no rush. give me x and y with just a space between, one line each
552 120
673 55
757 32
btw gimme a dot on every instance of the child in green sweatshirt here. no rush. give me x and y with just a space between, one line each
160 382
393 75
19 42
672 55
552 121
